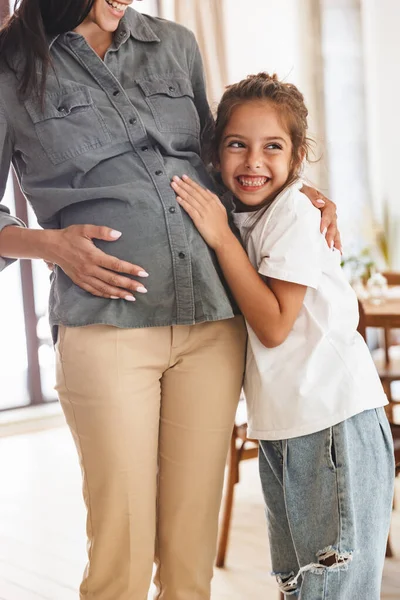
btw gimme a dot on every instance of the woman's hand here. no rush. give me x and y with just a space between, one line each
96 272
205 209
329 216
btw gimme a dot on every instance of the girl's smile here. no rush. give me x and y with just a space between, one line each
255 153
252 184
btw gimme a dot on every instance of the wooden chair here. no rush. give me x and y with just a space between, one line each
393 277
395 427
241 448
388 368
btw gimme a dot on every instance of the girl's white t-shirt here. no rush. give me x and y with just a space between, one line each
323 373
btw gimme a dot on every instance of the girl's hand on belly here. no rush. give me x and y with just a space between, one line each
205 209
96 272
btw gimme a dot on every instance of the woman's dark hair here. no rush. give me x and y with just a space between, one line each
24 38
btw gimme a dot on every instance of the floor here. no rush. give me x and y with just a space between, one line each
42 544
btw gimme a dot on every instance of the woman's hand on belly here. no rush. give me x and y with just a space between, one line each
73 250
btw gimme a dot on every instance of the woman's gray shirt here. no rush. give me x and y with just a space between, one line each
103 151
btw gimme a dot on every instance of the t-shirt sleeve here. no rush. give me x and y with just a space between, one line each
292 245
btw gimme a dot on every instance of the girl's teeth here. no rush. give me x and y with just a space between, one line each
253 182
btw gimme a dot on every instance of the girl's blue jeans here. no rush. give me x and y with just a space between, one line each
328 500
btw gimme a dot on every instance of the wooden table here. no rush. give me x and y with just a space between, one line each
386 315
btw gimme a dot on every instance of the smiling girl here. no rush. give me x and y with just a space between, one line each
100 106
314 399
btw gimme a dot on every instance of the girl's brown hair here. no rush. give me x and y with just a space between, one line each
287 100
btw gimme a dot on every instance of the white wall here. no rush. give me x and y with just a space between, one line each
146 6
284 36
382 51
346 121
261 36
281 37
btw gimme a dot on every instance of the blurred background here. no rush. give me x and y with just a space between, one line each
344 57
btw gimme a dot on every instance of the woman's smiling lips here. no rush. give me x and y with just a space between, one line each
252 183
117 8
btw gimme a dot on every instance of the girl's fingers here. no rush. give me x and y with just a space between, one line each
192 189
189 208
204 193
190 197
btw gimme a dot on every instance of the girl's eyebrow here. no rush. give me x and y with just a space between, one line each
242 137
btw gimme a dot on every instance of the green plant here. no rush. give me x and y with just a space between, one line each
360 266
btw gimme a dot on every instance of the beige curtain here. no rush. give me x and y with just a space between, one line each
312 85
206 19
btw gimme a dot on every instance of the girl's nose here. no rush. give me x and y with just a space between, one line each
253 165
253 161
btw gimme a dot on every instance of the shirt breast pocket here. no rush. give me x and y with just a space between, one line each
68 125
171 102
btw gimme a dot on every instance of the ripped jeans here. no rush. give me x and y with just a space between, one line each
328 500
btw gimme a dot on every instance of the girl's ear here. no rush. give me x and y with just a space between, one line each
216 162
298 164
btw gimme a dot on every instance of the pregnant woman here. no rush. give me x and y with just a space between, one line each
100 106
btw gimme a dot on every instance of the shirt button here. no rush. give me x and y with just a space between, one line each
172 209
144 149
132 121
182 255
158 172
171 88
115 92
61 109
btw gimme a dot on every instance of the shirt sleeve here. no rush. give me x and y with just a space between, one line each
200 93
5 162
292 246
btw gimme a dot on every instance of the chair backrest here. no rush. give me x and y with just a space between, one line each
395 428
393 277
362 329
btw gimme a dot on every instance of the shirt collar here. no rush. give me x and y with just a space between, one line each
133 23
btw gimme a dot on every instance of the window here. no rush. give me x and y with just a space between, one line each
13 352
26 352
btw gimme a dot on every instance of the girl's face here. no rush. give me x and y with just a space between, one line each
106 14
255 154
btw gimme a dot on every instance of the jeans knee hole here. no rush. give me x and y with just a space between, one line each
332 450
